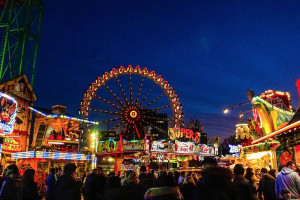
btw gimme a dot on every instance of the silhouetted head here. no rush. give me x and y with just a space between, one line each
238 169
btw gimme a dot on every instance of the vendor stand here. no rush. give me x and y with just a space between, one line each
55 143
15 117
272 111
165 154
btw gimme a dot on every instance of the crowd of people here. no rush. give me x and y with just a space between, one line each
213 183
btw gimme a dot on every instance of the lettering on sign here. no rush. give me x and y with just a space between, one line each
182 132
12 144
235 148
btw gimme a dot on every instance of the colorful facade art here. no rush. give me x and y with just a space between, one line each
109 146
15 97
54 128
267 117
8 108
272 111
12 144
161 146
134 145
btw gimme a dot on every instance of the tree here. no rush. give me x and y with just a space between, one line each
195 125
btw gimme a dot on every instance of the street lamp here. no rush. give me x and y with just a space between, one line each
241 115
226 110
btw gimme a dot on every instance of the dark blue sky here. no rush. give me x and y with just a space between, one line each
211 52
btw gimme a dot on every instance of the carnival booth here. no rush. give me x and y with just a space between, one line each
272 111
165 154
288 136
15 97
55 143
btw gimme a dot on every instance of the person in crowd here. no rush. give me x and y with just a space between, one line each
50 183
263 171
101 182
111 174
113 190
176 176
188 187
215 184
66 186
242 186
130 186
286 194
1 176
11 183
160 178
58 172
167 191
84 181
145 182
288 179
250 177
269 185
181 177
91 186
28 188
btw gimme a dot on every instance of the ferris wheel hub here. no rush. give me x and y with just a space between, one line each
132 114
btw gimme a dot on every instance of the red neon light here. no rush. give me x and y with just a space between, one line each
137 131
298 85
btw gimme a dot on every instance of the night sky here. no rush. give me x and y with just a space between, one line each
211 52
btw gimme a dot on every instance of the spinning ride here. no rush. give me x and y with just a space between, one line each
129 109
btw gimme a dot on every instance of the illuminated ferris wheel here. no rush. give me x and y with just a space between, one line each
132 100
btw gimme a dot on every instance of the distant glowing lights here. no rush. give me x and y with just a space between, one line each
63 116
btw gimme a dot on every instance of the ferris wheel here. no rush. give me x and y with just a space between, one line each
132 99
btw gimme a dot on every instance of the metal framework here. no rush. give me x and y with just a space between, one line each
132 113
20 22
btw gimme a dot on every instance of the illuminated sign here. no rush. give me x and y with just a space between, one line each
12 144
235 148
108 146
133 145
279 99
182 132
204 149
8 108
184 147
159 146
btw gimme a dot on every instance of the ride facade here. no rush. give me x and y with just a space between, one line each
262 137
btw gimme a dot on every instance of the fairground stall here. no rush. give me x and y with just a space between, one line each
15 97
288 136
55 143
272 111
165 154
